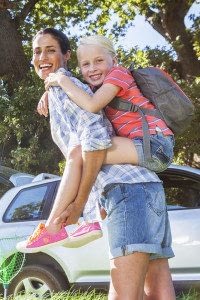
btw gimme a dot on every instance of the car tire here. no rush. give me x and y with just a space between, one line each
38 281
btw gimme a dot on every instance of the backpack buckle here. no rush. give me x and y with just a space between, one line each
133 107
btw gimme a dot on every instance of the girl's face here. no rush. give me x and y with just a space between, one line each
47 55
95 62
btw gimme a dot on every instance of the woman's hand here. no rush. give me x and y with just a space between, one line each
103 213
42 107
70 215
53 80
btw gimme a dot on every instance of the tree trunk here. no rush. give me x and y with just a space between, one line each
182 42
13 62
169 22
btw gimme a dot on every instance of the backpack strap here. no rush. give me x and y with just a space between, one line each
120 104
124 105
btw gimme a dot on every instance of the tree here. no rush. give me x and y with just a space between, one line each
19 19
13 61
24 137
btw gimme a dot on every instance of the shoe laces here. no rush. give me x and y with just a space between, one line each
40 228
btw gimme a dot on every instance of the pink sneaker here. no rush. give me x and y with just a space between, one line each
84 234
41 239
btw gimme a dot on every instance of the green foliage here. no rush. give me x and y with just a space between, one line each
61 166
187 150
25 139
135 56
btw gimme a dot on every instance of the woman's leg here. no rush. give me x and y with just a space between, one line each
68 188
158 282
122 151
128 276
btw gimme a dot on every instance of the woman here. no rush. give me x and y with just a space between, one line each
131 271
96 47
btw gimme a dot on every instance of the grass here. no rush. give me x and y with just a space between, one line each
192 295
67 296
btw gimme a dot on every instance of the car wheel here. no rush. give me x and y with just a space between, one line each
38 281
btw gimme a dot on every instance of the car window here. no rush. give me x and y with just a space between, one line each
28 204
5 185
4 188
181 192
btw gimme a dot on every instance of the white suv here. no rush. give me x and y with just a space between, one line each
58 268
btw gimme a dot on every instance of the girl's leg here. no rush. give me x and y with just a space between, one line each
68 188
122 151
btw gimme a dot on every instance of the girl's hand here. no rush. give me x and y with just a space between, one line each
53 80
42 107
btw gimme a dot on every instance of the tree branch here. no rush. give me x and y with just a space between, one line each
168 20
155 21
25 11
160 20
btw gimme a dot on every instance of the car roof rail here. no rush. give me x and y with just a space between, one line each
43 176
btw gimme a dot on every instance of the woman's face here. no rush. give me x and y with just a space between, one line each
47 55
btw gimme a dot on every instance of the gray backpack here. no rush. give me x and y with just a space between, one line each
171 104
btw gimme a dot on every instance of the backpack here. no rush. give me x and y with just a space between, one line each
171 104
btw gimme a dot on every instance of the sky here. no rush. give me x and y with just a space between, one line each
142 34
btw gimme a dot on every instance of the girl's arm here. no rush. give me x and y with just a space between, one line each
90 103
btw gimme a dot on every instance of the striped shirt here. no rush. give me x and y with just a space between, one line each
129 124
71 125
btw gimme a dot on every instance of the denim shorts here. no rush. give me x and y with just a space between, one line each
162 151
137 219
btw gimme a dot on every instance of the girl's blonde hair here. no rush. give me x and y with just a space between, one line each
98 40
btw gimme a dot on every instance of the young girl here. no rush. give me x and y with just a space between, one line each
98 64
